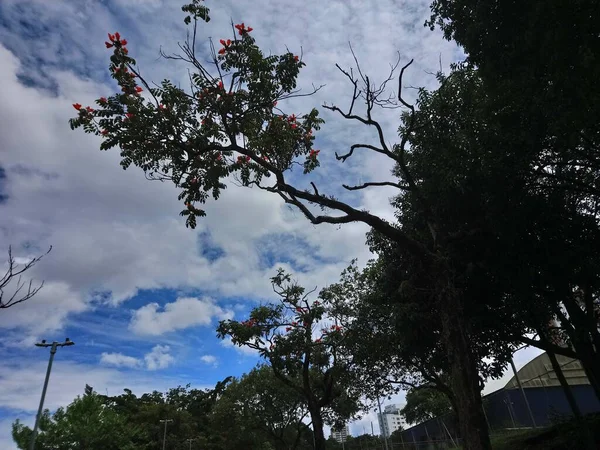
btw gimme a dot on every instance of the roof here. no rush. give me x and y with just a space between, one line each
539 373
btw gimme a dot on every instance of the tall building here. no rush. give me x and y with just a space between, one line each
390 420
341 434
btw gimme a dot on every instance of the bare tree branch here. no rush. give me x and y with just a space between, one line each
14 272
375 183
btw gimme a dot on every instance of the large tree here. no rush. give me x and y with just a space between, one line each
86 423
307 360
262 408
540 64
229 122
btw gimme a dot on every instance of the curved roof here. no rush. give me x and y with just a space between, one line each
539 373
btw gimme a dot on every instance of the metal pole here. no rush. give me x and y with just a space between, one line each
38 417
166 421
190 441
512 364
383 433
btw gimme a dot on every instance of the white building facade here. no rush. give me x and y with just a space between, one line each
390 420
340 435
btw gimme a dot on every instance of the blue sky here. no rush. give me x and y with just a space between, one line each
138 292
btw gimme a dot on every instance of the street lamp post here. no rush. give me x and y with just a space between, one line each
514 369
190 441
53 347
166 421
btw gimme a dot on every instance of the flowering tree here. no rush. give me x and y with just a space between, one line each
303 356
229 123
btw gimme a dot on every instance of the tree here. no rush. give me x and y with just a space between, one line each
13 273
85 423
189 409
393 343
283 334
263 408
509 44
165 137
424 404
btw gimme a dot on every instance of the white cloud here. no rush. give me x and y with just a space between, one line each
211 360
185 312
119 360
158 358
46 311
243 350
114 231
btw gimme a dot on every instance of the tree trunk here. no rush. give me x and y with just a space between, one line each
317 423
463 374
583 334
587 435
563 382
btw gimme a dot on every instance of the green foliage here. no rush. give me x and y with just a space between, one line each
314 367
85 423
423 404
263 409
225 124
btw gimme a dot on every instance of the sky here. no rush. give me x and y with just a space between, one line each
138 292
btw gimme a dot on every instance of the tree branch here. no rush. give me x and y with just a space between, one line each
375 183
14 273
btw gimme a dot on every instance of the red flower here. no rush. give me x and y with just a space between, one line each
124 41
108 44
138 89
161 107
274 103
296 58
313 153
294 323
117 36
298 309
292 118
128 115
89 109
288 329
104 132
248 159
242 29
225 44
125 50
220 85
294 126
219 157
77 106
111 37
317 340
102 100
132 75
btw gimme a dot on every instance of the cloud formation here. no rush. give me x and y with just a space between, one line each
185 312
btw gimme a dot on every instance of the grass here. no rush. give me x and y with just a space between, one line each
562 436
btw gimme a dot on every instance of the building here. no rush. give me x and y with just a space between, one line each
340 435
506 407
390 420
